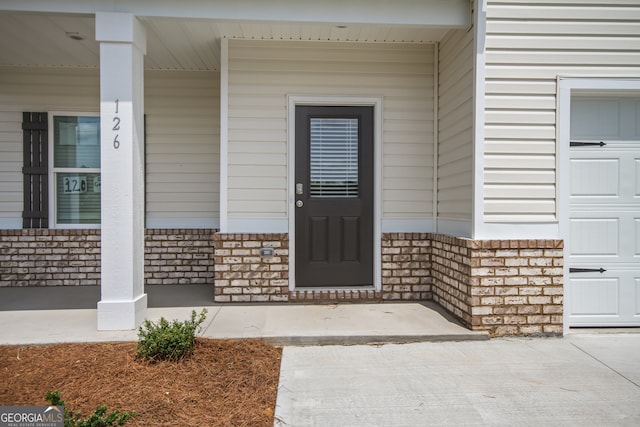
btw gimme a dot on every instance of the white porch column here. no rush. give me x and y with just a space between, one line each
122 38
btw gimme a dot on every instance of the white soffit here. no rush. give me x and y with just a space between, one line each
193 43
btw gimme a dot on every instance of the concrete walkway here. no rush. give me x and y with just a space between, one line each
580 380
67 314
279 324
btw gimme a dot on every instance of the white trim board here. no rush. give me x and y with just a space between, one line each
257 225
224 135
519 230
479 75
160 223
10 223
407 225
454 227
376 103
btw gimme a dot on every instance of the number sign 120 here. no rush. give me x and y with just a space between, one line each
74 184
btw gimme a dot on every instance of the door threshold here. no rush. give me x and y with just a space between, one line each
334 288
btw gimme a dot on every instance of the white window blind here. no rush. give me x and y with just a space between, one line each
334 157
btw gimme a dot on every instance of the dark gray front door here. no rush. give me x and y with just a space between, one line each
334 196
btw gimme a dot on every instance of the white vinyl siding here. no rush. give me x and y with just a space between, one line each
528 46
10 166
455 126
182 110
34 90
183 148
263 73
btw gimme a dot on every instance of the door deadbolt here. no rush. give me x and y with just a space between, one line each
299 203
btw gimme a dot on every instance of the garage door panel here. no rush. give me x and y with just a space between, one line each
594 237
604 240
637 118
636 234
595 177
636 164
595 296
636 310
608 176
611 298
630 238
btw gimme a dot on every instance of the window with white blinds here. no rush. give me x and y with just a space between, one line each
334 157
76 169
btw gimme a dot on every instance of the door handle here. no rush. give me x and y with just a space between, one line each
299 203
587 270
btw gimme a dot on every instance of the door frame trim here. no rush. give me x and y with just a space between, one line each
347 101
566 88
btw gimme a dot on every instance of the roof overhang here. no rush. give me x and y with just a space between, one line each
186 35
444 13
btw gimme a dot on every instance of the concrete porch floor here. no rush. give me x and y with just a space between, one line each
68 314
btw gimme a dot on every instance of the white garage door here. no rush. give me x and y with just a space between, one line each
604 242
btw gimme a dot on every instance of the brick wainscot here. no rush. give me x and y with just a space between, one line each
505 287
42 257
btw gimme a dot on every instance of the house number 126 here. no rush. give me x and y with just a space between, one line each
116 127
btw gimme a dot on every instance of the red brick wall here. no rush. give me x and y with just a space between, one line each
517 286
505 287
451 273
406 266
179 256
242 275
39 257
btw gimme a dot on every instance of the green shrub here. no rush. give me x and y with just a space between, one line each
99 418
168 340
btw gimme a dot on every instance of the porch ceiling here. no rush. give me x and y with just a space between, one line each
47 40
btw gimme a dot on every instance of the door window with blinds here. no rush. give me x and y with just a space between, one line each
76 170
334 157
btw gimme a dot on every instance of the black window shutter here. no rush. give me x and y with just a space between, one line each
35 170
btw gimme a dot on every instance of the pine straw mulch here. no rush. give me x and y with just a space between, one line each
221 383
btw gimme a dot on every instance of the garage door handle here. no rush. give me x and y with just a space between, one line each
586 144
587 270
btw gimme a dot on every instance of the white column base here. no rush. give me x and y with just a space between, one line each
122 315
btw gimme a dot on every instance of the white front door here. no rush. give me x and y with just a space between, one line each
604 242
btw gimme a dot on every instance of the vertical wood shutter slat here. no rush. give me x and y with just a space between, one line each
35 170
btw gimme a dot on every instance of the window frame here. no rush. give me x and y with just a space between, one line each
53 197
